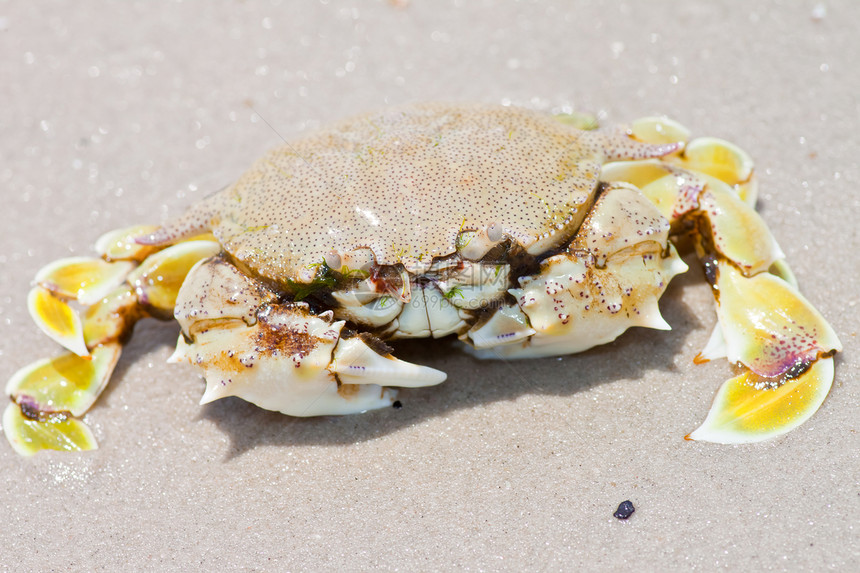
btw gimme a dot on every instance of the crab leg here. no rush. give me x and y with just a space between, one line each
281 355
89 305
782 345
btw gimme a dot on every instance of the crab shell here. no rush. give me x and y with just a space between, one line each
518 231
404 186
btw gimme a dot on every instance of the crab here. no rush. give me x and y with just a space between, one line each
524 234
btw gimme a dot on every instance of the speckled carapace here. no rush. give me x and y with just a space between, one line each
405 183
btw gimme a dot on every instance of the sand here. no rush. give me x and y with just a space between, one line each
120 113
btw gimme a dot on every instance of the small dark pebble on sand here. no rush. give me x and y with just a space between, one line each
625 510
397 405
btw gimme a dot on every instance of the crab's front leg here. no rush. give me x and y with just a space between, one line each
280 355
780 342
111 293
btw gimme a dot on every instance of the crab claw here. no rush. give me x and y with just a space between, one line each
508 325
356 362
609 279
295 362
280 363
744 411
282 357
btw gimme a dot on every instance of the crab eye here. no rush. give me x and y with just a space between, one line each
332 260
495 232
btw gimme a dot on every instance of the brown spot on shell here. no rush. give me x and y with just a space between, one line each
280 339
347 390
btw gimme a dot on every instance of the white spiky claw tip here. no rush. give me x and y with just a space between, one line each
356 363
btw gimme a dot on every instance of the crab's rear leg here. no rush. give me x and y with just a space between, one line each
781 344
281 355
89 305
